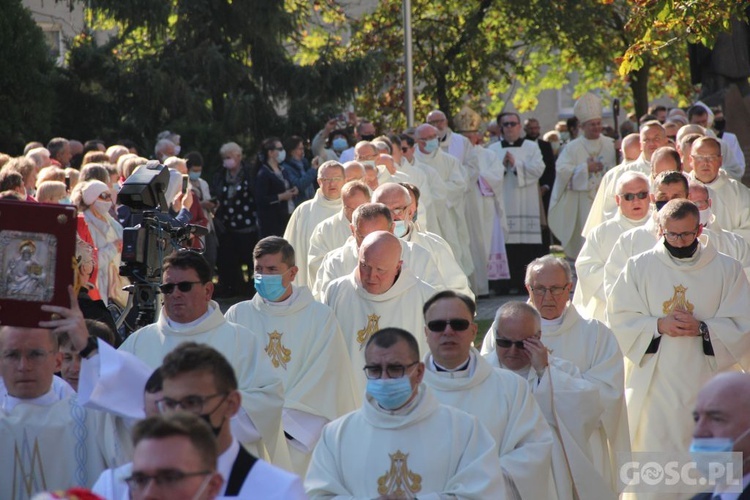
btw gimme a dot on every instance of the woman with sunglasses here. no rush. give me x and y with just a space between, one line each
99 231
274 193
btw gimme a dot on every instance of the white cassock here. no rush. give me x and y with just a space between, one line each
604 206
259 426
373 452
361 313
450 209
658 386
262 481
417 176
521 191
575 188
438 190
345 259
304 343
53 443
453 276
572 408
484 202
591 347
503 403
301 225
589 295
735 169
730 203
329 235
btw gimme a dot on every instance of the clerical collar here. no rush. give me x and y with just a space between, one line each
515 144
286 302
407 408
183 327
553 322
464 370
523 372
47 399
638 222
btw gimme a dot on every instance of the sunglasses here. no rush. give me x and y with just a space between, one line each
631 196
506 344
183 286
439 325
509 124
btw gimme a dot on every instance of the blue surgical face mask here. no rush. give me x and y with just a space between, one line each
194 176
390 393
282 156
431 145
65 201
400 228
339 144
703 450
269 286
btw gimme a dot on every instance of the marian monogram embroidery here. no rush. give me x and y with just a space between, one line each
28 472
399 481
279 354
678 302
364 334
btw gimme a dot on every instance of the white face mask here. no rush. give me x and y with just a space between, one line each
706 216
229 163
102 206
400 228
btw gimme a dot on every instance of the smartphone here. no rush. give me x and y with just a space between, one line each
185 183
67 183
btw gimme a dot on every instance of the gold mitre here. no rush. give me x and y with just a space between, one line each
467 120
588 107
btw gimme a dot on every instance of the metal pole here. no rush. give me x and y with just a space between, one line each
409 65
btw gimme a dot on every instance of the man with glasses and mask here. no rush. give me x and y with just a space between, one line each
366 219
633 210
435 185
325 203
586 343
570 403
415 446
680 314
731 199
189 314
461 378
303 340
524 166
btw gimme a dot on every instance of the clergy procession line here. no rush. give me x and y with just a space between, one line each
352 371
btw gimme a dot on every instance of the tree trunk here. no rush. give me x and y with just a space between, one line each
639 87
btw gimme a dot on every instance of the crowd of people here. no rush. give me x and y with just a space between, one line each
350 364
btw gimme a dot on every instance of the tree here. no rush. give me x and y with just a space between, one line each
27 74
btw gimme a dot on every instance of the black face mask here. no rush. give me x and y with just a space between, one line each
660 204
682 252
368 137
207 418
720 125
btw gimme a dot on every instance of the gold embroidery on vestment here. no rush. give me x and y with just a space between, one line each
678 302
399 480
279 354
364 334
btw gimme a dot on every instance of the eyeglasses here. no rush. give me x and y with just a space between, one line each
439 325
554 290
398 212
704 159
374 372
687 235
34 356
138 481
509 124
192 404
330 179
507 344
631 196
183 286
436 121
105 196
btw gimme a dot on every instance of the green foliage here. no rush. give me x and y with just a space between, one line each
26 78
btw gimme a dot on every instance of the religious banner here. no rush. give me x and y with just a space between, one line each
37 260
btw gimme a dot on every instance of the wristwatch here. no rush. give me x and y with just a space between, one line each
91 346
703 331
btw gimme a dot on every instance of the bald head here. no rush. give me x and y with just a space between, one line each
397 198
437 119
379 262
425 131
631 147
365 151
354 171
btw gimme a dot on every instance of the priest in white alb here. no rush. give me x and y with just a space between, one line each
461 378
403 443
579 171
680 314
586 343
400 202
325 203
571 404
367 219
449 210
633 210
304 343
406 172
653 136
524 166
379 292
333 232
435 185
189 314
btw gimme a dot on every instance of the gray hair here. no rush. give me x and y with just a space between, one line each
548 260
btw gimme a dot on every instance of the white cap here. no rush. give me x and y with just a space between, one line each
588 107
92 191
